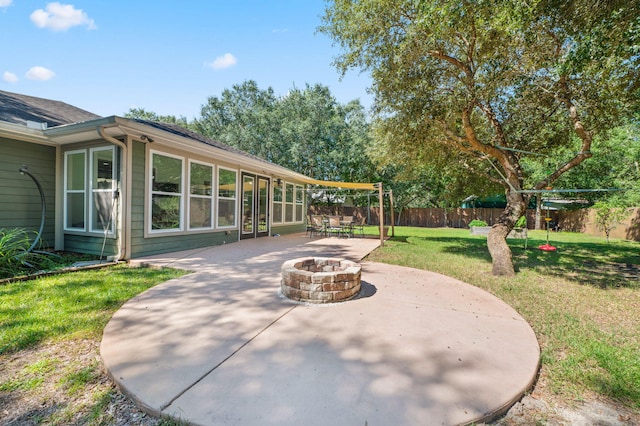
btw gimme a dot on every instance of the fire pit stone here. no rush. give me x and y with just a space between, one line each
320 279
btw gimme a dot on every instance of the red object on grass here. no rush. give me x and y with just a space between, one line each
547 247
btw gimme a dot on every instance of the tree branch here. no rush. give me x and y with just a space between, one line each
564 96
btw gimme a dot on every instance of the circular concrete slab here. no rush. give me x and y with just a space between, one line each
220 347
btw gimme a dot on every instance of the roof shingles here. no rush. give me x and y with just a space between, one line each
18 109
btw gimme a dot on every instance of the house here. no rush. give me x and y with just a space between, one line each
128 188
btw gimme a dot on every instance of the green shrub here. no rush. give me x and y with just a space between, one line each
14 258
477 222
522 222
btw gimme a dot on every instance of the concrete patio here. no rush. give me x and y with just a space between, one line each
220 346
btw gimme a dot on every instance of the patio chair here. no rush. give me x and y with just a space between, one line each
314 225
347 226
359 226
334 227
319 226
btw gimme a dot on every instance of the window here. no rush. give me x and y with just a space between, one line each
74 190
200 196
288 209
90 190
226 198
166 192
103 189
299 203
277 203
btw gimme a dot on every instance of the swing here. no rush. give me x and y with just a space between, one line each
547 247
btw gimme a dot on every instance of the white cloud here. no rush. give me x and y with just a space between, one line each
225 61
40 73
9 77
5 3
61 17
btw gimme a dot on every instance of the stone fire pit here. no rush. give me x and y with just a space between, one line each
320 279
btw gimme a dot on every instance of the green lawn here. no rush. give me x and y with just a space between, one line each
50 332
583 301
69 306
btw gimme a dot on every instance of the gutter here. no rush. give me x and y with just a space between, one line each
122 246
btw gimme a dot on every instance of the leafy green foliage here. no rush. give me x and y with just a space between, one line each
307 130
14 257
477 222
609 217
143 114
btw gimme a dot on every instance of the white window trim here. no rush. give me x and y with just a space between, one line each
151 192
93 190
211 197
74 191
297 187
281 202
217 193
285 203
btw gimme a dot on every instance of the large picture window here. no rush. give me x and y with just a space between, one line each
227 197
90 190
166 192
200 196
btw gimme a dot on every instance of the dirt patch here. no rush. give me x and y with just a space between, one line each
63 384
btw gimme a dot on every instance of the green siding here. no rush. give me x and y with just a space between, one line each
137 201
89 244
288 229
21 205
167 244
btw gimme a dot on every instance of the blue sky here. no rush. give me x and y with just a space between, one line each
165 56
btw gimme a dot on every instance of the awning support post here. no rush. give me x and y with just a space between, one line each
381 197
393 230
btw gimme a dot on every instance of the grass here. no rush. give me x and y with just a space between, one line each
582 300
50 331
75 306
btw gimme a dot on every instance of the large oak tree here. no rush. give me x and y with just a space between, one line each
496 80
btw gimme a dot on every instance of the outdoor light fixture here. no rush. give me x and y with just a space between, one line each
145 138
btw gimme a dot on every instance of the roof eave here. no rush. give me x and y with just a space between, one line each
163 137
24 133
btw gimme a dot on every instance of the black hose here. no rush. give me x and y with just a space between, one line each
25 171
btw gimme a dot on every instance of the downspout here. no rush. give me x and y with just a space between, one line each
122 251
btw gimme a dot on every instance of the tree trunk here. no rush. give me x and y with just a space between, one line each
500 251
497 238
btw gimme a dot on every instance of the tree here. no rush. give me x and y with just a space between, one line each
243 118
143 114
306 130
495 80
608 217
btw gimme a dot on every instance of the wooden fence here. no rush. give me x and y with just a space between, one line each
573 221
